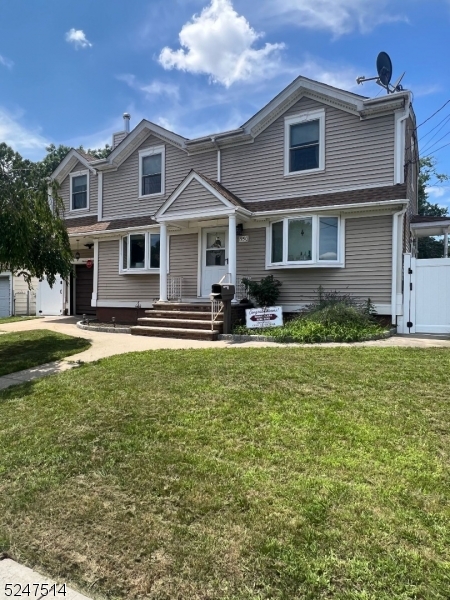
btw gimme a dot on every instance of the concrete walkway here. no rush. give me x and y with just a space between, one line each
17 575
109 344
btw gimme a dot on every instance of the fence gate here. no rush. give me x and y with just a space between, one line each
426 295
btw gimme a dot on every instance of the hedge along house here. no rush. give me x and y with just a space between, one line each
317 188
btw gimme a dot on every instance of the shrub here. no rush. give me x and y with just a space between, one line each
264 292
332 317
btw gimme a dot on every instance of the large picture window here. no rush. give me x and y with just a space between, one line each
305 142
79 190
139 252
151 171
307 241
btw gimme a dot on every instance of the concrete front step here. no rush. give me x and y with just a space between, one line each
178 323
177 306
181 314
171 332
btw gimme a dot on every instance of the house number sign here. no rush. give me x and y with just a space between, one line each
243 238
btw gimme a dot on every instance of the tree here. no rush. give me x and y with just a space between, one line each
430 247
33 236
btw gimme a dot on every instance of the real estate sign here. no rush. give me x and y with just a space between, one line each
270 316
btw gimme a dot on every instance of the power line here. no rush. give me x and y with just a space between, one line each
435 113
429 146
435 127
444 146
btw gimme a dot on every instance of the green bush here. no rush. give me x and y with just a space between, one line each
264 292
333 317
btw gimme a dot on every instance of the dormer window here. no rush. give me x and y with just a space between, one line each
151 171
305 143
79 190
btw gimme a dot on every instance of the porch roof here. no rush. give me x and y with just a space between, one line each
367 195
91 224
424 226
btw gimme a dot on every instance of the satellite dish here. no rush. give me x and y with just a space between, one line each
384 68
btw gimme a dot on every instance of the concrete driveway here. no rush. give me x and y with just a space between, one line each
108 344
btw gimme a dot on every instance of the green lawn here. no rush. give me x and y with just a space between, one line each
5 320
26 349
234 474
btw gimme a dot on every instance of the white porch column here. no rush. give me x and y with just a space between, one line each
232 247
163 263
95 288
446 244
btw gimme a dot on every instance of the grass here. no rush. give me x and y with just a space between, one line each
27 349
6 320
234 474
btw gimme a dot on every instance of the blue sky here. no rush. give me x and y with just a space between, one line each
68 70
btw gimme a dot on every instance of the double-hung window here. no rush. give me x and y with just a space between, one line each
305 241
305 143
139 252
151 171
79 190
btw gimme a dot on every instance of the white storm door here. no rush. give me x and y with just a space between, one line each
214 257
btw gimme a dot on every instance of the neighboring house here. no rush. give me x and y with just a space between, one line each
15 296
317 188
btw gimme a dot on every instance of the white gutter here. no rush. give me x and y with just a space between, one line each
400 143
395 261
219 163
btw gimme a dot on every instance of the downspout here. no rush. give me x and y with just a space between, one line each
395 262
400 142
219 159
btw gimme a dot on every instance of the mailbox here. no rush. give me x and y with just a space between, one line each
222 291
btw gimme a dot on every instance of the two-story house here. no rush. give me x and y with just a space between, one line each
317 188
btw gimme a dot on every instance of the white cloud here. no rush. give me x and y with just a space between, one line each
154 88
220 43
342 77
78 38
338 16
26 141
6 62
436 192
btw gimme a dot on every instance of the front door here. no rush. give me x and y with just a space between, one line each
214 257
84 286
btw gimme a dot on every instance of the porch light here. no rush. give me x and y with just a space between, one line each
77 255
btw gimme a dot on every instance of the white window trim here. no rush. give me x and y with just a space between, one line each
314 263
150 152
304 117
144 270
78 174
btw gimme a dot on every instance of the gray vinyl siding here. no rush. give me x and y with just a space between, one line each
194 197
367 272
121 187
357 154
64 192
124 288
183 255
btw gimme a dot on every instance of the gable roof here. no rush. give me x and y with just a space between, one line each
361 106
224 197
68 163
